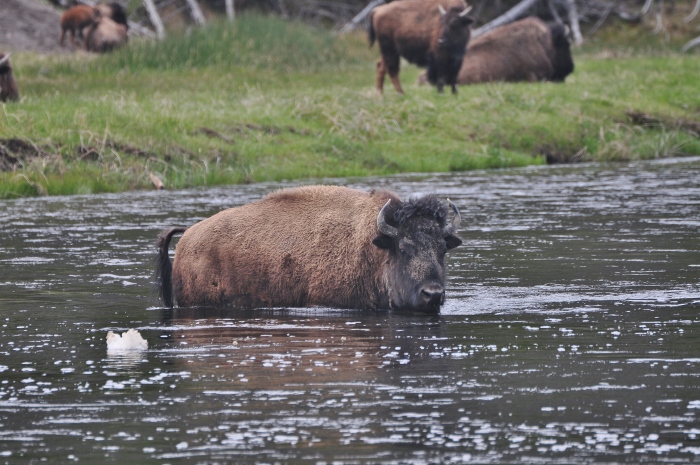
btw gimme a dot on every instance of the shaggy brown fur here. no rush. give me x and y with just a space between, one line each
417 31
115 12
105 35
8 86
311 246
74 20
526 50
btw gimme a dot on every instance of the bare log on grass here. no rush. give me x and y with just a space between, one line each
647 6
509 16
574 22
693 13
362 16
155 18
230 10
196 12
693 43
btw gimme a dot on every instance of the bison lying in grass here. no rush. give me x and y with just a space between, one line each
103 27
8 86
314 246
427 33
105 35
526 50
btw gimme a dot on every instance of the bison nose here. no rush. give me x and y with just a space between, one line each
432 294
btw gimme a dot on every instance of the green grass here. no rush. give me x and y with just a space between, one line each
267 100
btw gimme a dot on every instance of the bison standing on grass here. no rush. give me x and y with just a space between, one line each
526 50
8 86
427 33
74 20
314 246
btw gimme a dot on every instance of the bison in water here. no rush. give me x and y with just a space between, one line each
526 50
427 33
314 246
74 20
8 86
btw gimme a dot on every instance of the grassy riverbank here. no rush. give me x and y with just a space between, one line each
269 100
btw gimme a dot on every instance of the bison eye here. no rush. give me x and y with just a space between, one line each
402 250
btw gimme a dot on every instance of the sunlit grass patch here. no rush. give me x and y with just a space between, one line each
268 100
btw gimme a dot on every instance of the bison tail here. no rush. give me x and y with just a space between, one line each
164 269
371 35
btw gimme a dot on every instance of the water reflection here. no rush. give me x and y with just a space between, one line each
569 335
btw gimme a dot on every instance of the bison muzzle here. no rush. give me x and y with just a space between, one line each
314 246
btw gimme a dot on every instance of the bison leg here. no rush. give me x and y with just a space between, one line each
381 73
392 65
454 89
72 39
62 38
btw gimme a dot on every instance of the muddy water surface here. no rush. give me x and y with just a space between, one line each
571 334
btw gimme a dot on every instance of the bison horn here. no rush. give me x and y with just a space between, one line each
466 10
383 227
4 60
454 225
442 10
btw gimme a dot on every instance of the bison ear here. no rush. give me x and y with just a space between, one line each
467 20
383 241
452 241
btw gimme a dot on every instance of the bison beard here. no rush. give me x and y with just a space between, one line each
314 246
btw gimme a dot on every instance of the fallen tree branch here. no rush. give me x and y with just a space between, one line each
693 43
155 18
603 18
196 12
508 17
230 10
574 22
649 121
693 13
361 16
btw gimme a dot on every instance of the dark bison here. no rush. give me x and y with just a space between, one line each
105 35
427 33
75 19
526 50
314 246
8 86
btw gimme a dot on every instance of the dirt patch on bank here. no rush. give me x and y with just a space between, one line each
29 26
15 153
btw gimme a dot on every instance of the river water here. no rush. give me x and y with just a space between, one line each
570 334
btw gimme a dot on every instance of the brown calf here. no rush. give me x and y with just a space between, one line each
74 20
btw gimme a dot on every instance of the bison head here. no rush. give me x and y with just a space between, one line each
8 86
445 58
416 236
454 26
